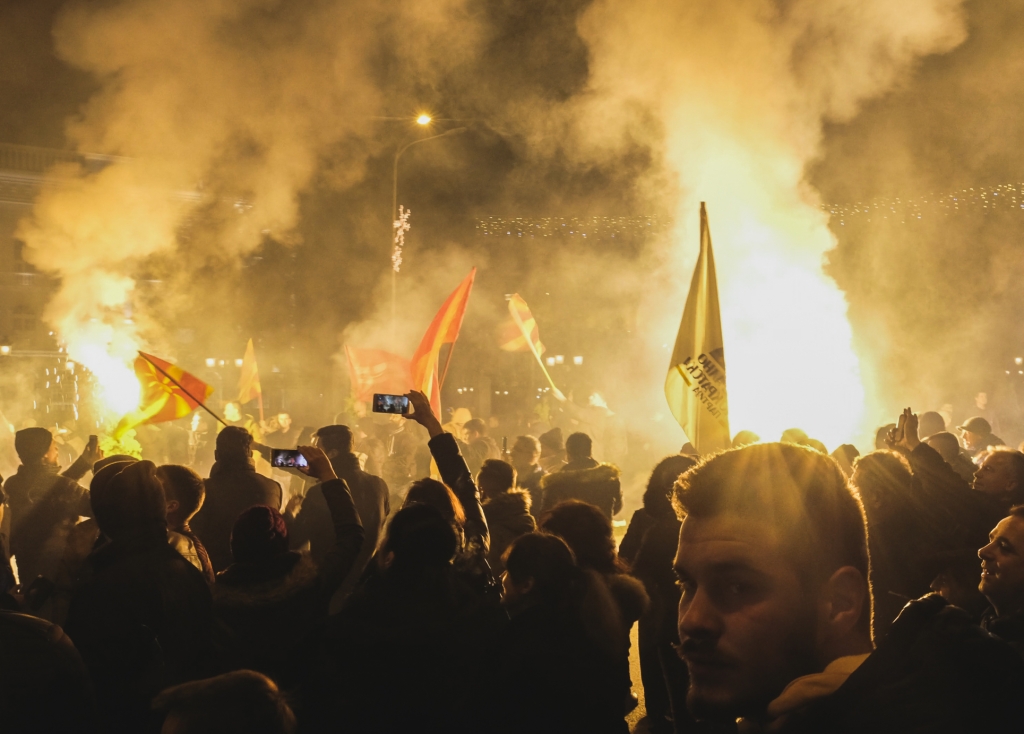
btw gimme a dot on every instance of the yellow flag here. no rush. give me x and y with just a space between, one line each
695 385
249 379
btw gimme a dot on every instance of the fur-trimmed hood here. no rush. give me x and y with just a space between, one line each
600 474
512 502
241 585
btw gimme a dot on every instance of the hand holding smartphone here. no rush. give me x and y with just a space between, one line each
287 459
393 404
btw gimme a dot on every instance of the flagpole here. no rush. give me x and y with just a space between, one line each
447 363
182 388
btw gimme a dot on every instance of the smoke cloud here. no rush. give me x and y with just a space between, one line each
738 93
218 114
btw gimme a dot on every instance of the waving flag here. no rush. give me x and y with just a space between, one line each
520 332
168 393
444 329
695 385
249 381
374 370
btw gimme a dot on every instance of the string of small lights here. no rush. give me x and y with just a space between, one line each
1003 197
582 227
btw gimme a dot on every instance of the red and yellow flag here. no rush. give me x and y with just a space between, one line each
444 329
249 381
162 399
520 332
376 371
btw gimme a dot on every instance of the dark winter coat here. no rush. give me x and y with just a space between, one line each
266 609
313 523
508 517
44 686
639 524
530 481
472 559
546 675
936 671
44 506
1009 629
233 487
598 485
142 623
402 655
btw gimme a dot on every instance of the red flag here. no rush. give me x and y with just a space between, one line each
374 370
162 399
444 329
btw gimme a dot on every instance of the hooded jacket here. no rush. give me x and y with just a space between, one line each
233 487
598 485
508 517
267 608
142 623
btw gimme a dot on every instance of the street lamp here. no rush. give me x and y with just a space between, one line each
423 119
5 347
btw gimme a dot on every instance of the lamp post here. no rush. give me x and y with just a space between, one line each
421 120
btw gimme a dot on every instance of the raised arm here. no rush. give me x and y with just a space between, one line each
453 468
348 530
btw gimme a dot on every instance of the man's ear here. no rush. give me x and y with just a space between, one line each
843 604
172 506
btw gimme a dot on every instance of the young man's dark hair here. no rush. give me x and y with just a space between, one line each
244 701
475 425
336 439
496 476
184 486
772 535
234 442
578 446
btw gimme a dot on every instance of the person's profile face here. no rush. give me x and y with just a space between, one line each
1002 563
995 475
524 456
746 625
52 456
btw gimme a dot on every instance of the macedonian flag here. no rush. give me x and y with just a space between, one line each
168 393
520 332
695 385
444 329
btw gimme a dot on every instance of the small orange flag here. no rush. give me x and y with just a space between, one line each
163 400
444 329
249 380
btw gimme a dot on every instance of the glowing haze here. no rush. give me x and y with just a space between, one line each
220 112
740 91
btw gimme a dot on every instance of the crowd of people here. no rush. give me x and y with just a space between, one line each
775 587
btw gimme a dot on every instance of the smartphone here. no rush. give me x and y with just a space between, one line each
287 458
397 404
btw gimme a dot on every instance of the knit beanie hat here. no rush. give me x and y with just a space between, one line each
553 439
32 444
259 535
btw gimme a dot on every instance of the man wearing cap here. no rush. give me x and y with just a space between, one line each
44 504
978 436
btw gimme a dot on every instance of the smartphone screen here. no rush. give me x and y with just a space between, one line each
287 458
397 404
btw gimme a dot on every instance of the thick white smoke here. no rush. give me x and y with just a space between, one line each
221 112
738 91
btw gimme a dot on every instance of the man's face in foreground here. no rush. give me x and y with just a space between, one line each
746 625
